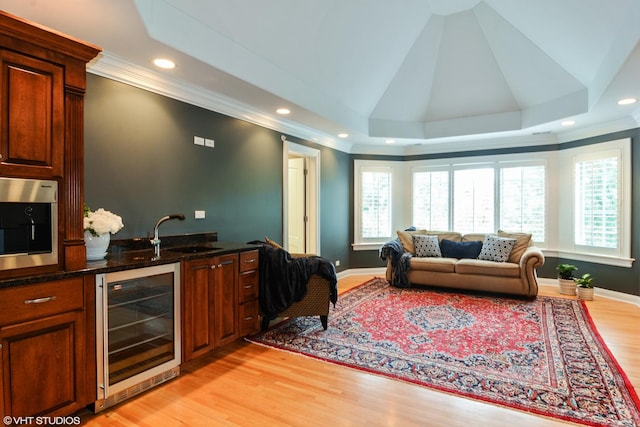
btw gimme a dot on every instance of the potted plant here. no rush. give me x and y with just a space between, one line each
585 287
565 279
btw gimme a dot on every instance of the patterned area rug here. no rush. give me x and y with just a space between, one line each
541 356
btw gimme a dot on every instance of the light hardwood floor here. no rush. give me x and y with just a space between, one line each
250 385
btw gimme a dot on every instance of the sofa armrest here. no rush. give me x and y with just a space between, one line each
531 259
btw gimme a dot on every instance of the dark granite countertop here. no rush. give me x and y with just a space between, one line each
137 253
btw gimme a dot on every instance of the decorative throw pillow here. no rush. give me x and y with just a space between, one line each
406 238
523 241
451 249
496 248
426 246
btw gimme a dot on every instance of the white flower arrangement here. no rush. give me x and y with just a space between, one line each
101 221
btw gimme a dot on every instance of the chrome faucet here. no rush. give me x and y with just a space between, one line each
155 242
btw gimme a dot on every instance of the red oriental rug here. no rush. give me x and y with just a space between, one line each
542 356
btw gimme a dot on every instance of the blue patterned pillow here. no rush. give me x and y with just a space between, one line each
496 248
426 246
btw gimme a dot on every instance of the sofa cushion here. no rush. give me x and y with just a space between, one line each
449 235
496 248
487 268
523 241
406 238
451 249
444 265
474 237
426 246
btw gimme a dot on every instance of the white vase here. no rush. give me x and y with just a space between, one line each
96 246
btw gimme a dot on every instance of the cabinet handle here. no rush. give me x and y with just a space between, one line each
225 263
248 286
213 267
40 300
250 261
248 318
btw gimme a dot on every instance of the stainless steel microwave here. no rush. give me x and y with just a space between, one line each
28 223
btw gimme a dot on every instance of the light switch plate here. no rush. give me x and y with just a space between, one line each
199 214
198 140
209 143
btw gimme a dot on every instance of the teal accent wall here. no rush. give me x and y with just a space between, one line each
141 163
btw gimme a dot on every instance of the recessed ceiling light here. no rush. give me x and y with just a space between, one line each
390 141
568 123
164 63
627 101
283 111
343 135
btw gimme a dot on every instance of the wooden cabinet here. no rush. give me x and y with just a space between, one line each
225 299
47 348
32 123
209 304
219 301
42 86
248 286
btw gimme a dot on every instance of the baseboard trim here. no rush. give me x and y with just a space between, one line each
606 293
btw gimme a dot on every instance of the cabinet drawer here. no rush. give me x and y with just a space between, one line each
248 285
248 318
43 299
248 261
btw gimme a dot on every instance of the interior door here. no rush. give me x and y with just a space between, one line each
296 205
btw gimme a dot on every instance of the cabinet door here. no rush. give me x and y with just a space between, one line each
32 119
197 308
226 299
39 359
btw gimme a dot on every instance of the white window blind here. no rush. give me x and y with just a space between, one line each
522 200
431 200
597 202
473 200
375 202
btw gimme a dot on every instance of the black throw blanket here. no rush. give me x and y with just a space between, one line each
283 279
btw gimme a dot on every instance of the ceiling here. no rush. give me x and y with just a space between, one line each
433 75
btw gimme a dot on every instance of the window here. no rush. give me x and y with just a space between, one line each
376 204
523 200
576 202
431 200
596 202
473 200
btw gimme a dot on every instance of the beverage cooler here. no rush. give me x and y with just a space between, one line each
137 331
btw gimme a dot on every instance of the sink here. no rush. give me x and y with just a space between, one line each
192 249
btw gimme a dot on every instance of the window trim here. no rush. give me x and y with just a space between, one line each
557 222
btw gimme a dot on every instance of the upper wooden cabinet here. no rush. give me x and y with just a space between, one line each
42 85
32 119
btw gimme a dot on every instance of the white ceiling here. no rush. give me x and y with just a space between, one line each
435 75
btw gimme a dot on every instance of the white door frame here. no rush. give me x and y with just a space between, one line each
313 194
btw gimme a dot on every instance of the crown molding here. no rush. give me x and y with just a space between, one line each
121 70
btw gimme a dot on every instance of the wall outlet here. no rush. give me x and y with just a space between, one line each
198 140
338 263
209 143
199 214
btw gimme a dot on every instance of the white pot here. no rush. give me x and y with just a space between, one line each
585 294
567 286
96 246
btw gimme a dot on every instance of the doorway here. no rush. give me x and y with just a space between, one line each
301 198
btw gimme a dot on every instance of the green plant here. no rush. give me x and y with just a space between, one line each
584 281
565 271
